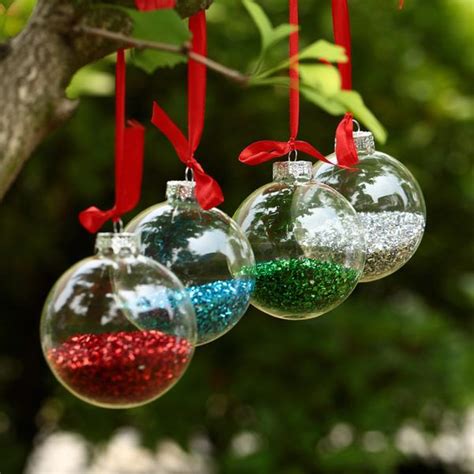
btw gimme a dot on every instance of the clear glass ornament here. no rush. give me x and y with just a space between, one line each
117 329
307 241
388 201
206 250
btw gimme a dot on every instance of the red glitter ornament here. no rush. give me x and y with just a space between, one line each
118 329
123 368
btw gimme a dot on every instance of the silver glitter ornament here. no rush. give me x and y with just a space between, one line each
388 201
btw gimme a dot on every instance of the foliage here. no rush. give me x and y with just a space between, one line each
320 85
399 349
163 26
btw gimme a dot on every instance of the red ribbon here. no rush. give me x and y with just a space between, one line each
264 150
342 36
129 147
146 5
346 151
293 72
208 191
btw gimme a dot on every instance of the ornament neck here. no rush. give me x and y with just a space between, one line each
292 171
178 192
364 142
117 243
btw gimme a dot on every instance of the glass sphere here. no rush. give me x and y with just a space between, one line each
307 241
206 250
388 201
117 329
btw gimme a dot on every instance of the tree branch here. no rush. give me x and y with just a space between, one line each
125 40
37 65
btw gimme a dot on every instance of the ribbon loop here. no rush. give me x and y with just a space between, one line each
208 191
265 150
294 71
346 152
129 150
342 37
197 81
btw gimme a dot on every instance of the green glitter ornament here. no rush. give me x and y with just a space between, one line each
308 244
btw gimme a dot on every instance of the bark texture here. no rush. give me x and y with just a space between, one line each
37 65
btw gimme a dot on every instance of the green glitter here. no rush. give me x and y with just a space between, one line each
301 286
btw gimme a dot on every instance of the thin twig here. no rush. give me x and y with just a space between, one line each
170 48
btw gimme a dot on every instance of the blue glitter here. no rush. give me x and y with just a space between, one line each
219 306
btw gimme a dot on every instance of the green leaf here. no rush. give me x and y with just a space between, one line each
318 50
323 49
280 33
90 81
322 77
164 26
354 103
269 36
159 25
330 105
150 60
261 20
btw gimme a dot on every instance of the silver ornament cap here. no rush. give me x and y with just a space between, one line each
181 191
115 243
364 142
301 171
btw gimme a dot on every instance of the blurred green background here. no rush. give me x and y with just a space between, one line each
376 386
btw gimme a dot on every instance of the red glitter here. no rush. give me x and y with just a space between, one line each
120 369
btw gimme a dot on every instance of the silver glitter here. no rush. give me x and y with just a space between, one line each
338 240
392 238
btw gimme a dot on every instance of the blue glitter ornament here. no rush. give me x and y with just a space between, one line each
206 250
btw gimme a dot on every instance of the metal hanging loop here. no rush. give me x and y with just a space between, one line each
118 226
188 174
293 155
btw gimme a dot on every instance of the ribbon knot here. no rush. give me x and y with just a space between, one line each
192 162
